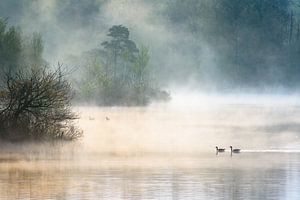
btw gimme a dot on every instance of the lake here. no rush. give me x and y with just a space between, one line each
163 152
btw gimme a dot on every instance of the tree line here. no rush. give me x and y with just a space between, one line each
256 43
35 101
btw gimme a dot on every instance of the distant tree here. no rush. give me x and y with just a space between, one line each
249 38
10 47
99 80
120 42
140 66
140 77
120 55
18 51
120 50
32 52
119 74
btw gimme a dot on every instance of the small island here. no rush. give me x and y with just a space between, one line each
118 73
36 99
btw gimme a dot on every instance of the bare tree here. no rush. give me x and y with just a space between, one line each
37 105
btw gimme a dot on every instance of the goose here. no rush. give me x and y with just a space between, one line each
91 118
219 150
235 150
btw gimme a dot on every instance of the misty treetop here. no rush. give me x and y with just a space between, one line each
120 42
10 45
35 101
18 51
119 73
218 44
256 43
214 44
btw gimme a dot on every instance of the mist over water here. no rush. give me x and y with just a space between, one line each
233 78
191 124
165 151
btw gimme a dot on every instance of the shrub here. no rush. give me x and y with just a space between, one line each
36 105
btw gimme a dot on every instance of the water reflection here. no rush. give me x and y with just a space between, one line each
163 153
243 176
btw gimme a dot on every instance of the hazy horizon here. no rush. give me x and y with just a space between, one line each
182 54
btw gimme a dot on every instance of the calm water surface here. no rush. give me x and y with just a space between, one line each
163 154
243 176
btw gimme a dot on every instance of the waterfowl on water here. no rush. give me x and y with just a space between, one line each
91 118
235 150
220 149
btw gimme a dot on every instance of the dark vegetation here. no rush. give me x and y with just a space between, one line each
37 106
227 45
256 43
119 73
18 51
34 101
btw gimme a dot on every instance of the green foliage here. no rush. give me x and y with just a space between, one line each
140 73
255 42
34 102
120 44
141 62
10 46
119 74
32 50
17 51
